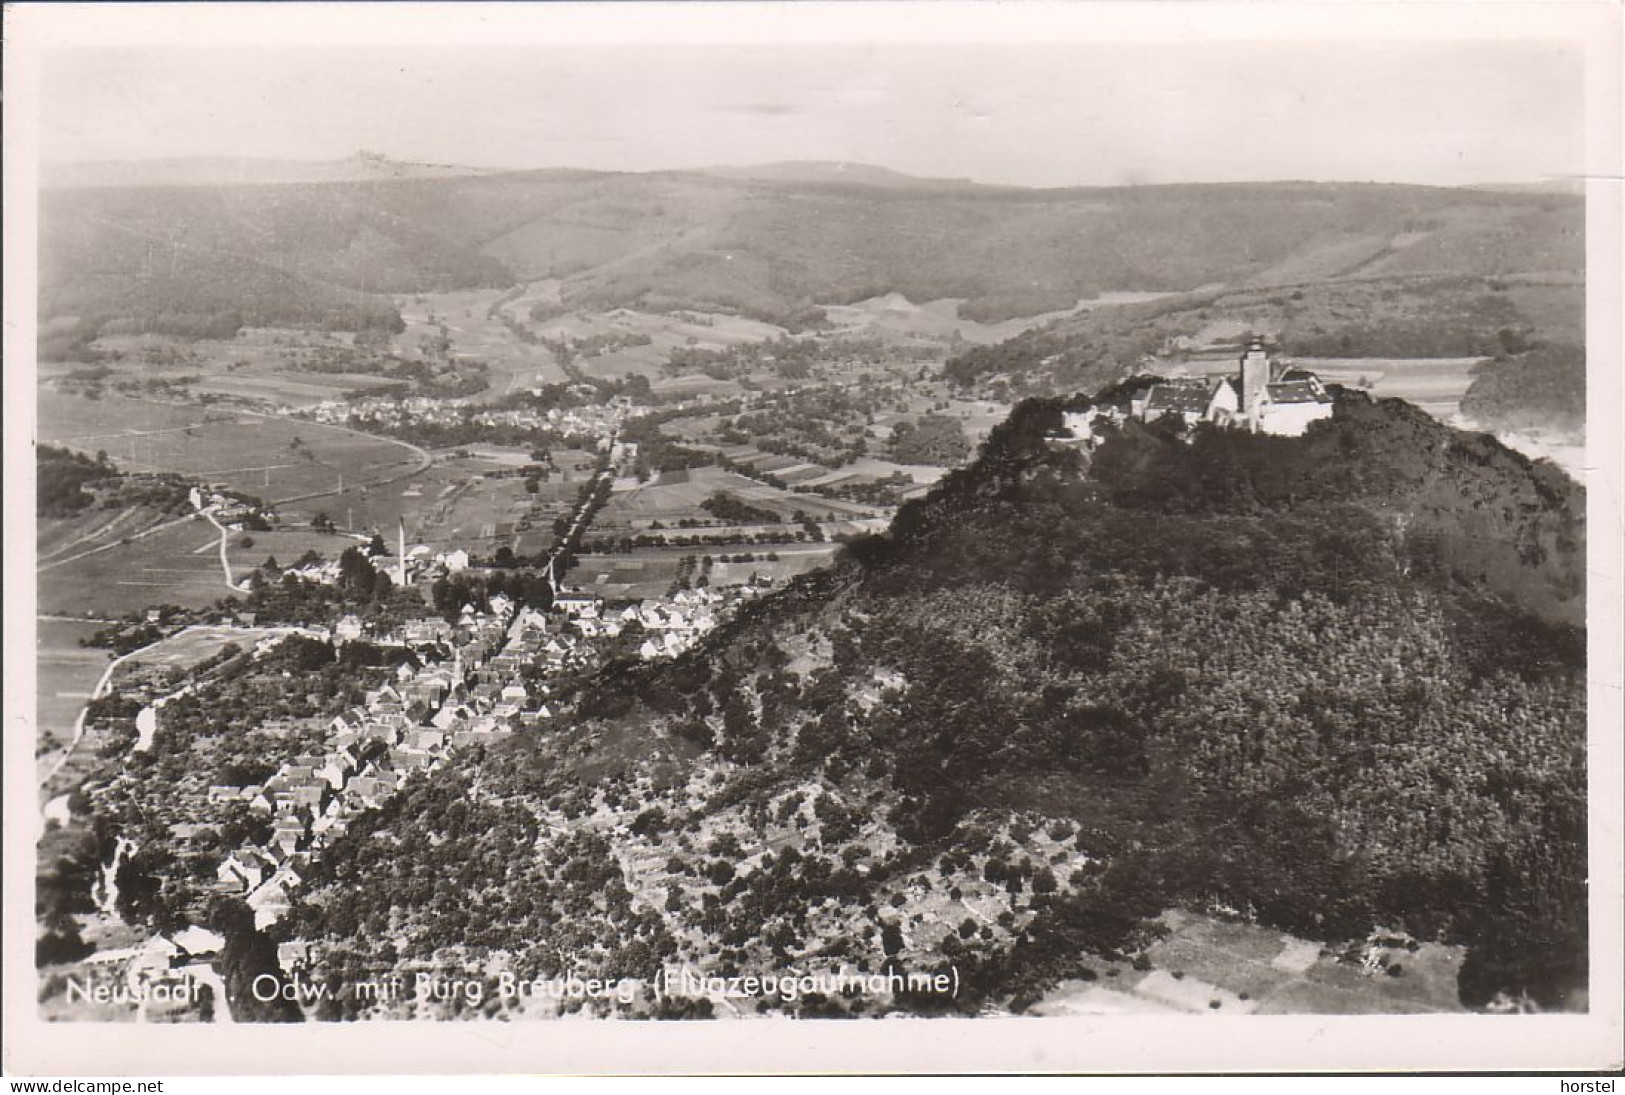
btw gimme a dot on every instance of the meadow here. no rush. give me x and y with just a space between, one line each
258 364
1221 966
110 563
185 649
1434 384
677 496
479 335
66 673
179 564
649 572
276 459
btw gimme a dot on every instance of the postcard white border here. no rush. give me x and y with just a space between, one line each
1090 1045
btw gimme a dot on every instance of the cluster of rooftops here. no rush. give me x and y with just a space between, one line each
1265 395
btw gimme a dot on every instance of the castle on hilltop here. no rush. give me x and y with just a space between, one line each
1265 395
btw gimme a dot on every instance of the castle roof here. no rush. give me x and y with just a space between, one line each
1298 391
1180 398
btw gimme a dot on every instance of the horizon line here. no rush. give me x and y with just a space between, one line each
1575 182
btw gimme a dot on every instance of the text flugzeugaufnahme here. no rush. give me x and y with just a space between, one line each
681 982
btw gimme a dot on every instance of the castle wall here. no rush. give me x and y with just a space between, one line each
1290 419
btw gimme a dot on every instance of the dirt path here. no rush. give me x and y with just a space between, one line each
207 512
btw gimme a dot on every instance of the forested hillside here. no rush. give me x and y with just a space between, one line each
774 246
1327 684
1544 388
1365 317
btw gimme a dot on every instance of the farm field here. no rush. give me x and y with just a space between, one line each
279 460
286 544
696 431
476 513
476 502
292 389
475 334
691 386
65 675
415 499
939 320
60 538
676 496
178 565
1434 384
665 333
1251 969
187 648
976 417
869 468
649 572
261 363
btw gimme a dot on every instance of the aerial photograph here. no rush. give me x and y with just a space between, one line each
822 530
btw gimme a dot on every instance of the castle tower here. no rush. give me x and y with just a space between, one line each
1255 377
400 552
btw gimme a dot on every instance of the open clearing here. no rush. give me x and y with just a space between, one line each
676 496
196 644
272 458
649 572
1434 384
298 465
58 539
67 672
478 335
940 320
167 567
1247 968
259 364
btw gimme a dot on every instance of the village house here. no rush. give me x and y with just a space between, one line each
270 904
573 602
243 870
196 943
293 956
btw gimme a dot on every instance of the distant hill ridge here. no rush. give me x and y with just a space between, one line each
773 243
242 171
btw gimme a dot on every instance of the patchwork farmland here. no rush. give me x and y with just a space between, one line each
650 572
112 562
176 564
279 460
677 496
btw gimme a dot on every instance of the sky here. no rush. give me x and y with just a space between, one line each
1081 113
